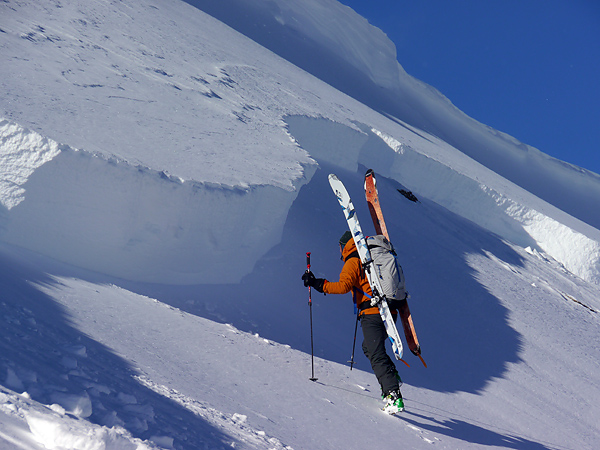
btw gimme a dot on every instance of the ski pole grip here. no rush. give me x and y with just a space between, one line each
308 260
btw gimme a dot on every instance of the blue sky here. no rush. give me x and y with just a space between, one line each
530 68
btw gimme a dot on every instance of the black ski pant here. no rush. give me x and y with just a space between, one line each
373 346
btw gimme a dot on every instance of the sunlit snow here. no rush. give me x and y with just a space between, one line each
163 172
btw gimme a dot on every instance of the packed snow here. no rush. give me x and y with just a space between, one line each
163 172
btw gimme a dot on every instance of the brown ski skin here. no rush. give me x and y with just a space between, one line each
374 206
380 228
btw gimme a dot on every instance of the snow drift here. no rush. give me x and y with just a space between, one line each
172 231
359 60
130 221
444 175
201 129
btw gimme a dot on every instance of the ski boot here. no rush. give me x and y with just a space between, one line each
393 402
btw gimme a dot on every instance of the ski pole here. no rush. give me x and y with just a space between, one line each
312 353
354 343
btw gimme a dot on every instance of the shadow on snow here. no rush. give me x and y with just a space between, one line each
43 354
462 328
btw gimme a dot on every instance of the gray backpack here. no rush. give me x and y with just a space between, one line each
386 267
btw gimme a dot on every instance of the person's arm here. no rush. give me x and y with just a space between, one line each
348 278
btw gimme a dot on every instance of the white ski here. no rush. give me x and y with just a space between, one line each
365 256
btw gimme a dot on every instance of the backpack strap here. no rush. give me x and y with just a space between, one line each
372 246
363 305
366 305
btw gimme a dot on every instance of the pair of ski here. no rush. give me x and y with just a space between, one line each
365 256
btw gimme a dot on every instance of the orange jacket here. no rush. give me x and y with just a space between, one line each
351 276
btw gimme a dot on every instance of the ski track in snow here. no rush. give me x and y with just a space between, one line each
234 425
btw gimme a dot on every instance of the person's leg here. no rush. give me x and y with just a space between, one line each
374 348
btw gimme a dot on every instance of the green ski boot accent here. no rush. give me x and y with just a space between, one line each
393 403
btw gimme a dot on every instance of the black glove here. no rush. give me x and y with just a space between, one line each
310 280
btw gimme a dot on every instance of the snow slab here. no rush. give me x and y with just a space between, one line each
131 221
362 62
153 158
433 169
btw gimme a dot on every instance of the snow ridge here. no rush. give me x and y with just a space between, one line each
129 221
435 170
506 210
361 62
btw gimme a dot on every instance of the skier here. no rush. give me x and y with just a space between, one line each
353 278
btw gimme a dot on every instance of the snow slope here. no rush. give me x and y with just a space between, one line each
335 44
161 178
512 357
137 116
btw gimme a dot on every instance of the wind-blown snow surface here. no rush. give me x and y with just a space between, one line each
178 170
335 44
156 103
